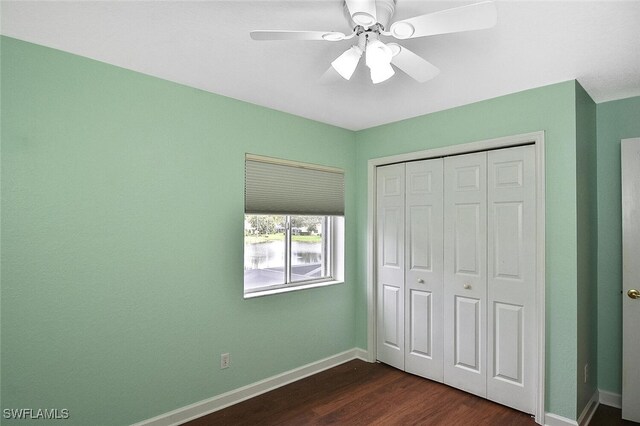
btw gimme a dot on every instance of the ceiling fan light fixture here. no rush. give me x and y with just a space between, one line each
378 54
382 73
395 49
369 20
378 60
346 63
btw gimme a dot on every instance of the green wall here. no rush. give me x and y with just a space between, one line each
615 120
551 109
586 292
122 224
122 202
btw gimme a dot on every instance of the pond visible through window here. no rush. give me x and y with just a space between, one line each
285 249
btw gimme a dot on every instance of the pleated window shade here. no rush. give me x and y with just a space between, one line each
274 186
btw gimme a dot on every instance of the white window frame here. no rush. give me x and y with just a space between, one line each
333 259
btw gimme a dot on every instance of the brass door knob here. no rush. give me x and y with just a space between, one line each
633 293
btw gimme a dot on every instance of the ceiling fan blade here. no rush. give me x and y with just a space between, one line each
412 64
363 12
298 35
466 18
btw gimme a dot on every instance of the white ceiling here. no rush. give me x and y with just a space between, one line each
206 44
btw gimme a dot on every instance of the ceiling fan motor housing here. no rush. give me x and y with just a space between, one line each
384 12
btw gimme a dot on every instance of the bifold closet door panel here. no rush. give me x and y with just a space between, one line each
511 283
465 275
456 272
390 264
424 268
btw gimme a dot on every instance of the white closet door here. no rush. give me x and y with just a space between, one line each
424 268
390 264
511 280
630 171
465 285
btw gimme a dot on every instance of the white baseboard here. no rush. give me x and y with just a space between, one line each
199 409
589 409
611 399
361 354
551 419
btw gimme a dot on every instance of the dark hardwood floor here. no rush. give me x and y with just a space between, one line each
361 393
609 416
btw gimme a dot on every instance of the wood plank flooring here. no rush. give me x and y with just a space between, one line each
609 416
361 393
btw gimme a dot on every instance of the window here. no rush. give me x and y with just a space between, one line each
293 227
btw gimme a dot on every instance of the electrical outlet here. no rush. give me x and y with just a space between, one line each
224 361
586 372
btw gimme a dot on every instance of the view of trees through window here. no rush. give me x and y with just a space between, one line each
273 256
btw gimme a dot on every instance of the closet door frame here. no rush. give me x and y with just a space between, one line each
535 138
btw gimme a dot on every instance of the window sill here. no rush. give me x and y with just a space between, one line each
289 289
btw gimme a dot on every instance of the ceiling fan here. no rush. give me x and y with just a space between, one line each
370 20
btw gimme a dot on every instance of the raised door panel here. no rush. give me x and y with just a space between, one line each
391 222
509 342
465 272
467 238
508 243
511 297
390 200
420 242
467 334
424 268
420 324
391 321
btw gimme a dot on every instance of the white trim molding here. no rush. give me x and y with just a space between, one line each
207 406
536 138
589 409
551 419
609 398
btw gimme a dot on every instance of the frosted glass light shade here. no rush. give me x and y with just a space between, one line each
346 63
381 73
378 59
378 54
